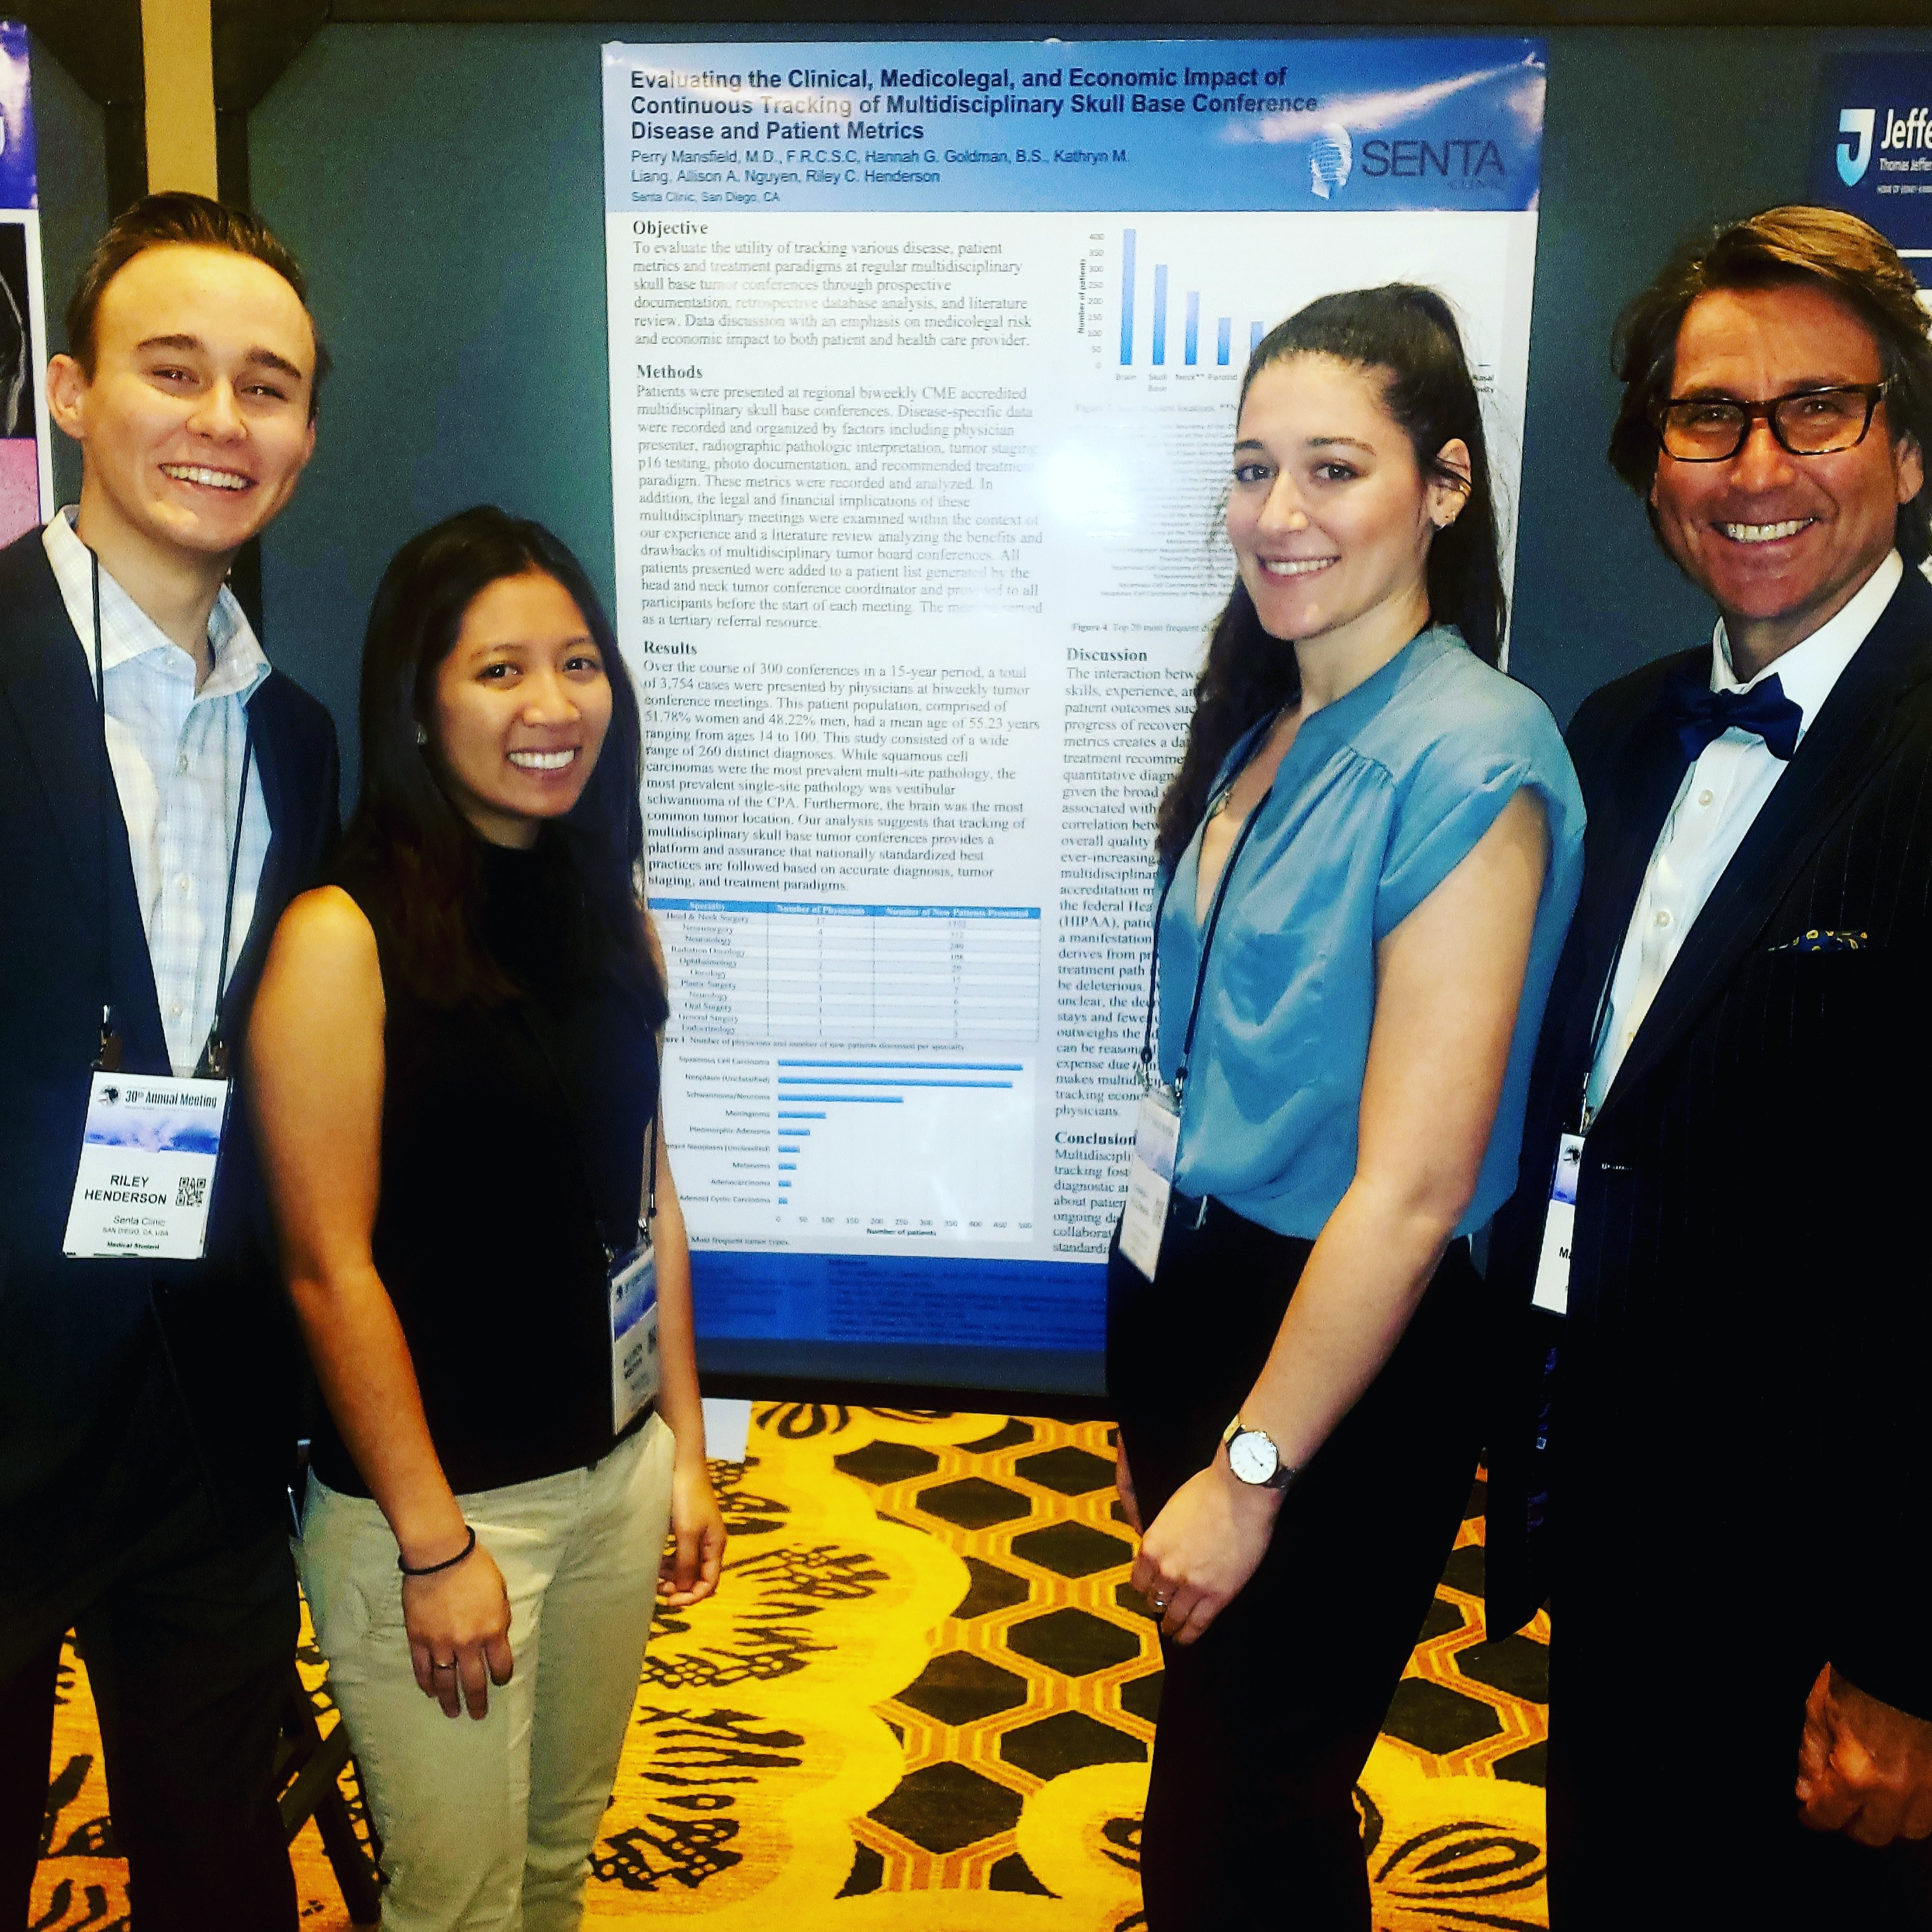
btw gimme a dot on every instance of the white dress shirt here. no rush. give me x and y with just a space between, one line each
1721 795
176 754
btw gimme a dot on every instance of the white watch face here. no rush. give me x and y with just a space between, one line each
1252 1457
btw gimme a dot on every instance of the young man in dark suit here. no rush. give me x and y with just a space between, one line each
162 795
1716 1459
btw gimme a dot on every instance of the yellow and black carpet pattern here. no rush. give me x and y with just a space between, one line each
923 1701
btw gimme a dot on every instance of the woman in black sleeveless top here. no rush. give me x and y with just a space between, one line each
454 1060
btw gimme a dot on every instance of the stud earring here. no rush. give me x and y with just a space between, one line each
422 734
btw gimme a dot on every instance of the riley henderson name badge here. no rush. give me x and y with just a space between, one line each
148 1157
635 1372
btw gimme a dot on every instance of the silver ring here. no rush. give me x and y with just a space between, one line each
450 1666
1160 1602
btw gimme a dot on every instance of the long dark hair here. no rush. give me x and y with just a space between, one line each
407 835
1407 334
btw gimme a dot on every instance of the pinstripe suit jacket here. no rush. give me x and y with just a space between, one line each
1741 1399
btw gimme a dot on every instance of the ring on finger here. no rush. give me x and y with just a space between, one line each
450 1666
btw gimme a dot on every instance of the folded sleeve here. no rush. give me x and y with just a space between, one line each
1484 753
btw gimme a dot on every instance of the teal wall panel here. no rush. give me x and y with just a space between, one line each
1648 136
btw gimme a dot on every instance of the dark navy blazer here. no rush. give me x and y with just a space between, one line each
1740 1418
78 1338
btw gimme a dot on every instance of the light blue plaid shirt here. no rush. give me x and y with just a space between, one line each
176 754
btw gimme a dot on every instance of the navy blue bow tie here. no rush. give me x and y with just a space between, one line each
1701 714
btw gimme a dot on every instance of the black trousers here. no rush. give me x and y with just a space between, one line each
1673 1746
1266 1721
189 1637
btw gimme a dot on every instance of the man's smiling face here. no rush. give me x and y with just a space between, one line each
1781 542
194 424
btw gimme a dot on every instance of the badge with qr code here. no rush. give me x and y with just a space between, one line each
148 1157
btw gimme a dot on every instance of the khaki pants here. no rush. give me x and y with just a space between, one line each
489 1827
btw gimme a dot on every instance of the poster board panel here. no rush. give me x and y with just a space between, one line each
924 366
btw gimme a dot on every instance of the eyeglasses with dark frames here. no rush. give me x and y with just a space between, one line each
1807 422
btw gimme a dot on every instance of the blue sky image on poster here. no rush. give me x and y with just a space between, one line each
16 120
1871 146
1164 124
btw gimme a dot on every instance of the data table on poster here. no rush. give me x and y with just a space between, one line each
802 972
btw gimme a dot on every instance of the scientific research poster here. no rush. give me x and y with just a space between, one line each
924 363
26 456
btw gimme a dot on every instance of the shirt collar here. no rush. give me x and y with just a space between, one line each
1807 672
1363 700
126 631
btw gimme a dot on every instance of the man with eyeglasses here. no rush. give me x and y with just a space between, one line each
1714 1456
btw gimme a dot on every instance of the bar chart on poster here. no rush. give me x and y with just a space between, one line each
925 364
827 1151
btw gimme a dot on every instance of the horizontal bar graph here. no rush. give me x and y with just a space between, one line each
832 1083
817 1150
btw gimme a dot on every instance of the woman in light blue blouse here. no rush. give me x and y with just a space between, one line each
1368 858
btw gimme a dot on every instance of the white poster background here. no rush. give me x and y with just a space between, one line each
915 561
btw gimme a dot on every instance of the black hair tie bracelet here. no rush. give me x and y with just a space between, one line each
448 1563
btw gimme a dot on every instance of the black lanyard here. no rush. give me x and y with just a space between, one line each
535 1021
215 1056
1206 947
1584 1114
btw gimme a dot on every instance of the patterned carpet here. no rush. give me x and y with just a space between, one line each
926 1680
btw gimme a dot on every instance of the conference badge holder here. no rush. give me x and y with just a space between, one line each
1552 1291
151 1144
1157 1129
636 1373
148 1158
1559 1220
1151 1178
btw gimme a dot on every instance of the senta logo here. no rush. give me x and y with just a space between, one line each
1460 158
1331 156
1855 155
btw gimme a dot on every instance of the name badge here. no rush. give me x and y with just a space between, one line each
1149 1179
1559 1221
634 1371
148 1157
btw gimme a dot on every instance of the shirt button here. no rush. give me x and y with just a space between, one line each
1664 918
176 1009
1703 797
184 884
180 765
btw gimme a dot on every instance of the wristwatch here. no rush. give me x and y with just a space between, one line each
1254 1459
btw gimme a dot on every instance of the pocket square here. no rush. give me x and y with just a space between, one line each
1815 941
